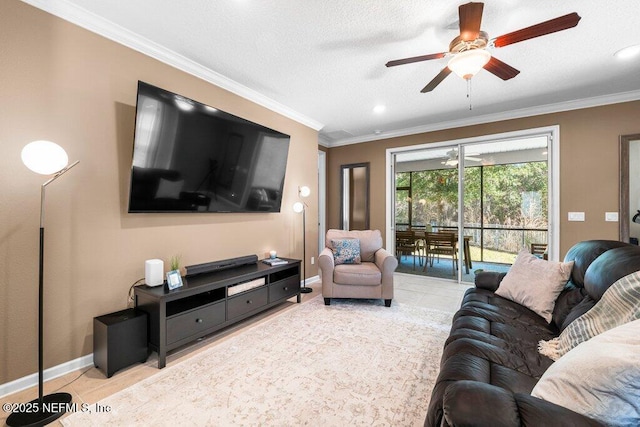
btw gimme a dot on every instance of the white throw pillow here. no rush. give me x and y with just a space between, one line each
535 283
599 378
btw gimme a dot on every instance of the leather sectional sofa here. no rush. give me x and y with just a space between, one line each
490 362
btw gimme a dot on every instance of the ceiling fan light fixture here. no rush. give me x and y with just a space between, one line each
466 64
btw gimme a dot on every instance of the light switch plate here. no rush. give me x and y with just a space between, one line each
576 216
611 216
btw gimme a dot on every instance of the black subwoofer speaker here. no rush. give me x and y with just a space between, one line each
119 340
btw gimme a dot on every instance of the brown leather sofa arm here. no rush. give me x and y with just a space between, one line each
489 280
472 403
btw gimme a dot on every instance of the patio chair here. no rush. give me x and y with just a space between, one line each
406 245
539 250
442 243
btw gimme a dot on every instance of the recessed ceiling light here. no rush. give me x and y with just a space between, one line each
628 52
378 109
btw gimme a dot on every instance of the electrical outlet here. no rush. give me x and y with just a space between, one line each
611 216
313 260
576 216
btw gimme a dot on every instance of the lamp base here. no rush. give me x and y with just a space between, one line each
37 413
305 290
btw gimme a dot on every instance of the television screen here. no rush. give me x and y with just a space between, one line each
190 157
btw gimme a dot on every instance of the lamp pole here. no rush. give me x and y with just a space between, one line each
304 288
41 286
303 191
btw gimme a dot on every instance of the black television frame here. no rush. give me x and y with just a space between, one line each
262 151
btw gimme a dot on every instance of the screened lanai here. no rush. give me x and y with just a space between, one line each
501 189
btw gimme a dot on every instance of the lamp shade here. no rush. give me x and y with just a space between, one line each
466 64
44 157
298 207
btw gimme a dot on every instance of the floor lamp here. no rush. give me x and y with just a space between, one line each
302 207
46 158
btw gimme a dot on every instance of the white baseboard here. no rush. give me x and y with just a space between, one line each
310 280
49 374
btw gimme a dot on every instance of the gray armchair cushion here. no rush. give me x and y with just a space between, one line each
366 273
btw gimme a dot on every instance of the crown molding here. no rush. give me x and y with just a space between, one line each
489 118
96 24
324 141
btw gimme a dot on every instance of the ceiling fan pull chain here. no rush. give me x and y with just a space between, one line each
469 93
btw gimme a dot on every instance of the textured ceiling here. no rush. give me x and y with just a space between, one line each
324 59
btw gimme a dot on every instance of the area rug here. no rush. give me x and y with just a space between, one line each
355 362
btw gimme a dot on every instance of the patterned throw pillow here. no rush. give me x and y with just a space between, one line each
346 251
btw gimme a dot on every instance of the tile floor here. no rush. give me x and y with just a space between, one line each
89 385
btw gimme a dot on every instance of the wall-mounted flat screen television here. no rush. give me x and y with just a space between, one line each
190 157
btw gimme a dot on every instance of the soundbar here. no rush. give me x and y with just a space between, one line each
220 265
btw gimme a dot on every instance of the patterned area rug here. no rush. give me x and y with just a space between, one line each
355 362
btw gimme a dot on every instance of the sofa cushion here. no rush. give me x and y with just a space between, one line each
581 308
507 326
346 251
584 253
357 274
568 299
599 378
370 241
535 283
609 267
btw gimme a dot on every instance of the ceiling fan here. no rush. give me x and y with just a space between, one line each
469 53
451 158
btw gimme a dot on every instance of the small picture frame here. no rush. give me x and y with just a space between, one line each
174 280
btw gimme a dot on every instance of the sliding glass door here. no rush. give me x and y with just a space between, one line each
492 196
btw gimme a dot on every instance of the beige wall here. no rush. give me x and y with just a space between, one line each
63 83
588 165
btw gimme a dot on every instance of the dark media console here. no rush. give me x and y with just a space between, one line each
211 301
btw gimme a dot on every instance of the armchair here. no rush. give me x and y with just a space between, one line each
372 278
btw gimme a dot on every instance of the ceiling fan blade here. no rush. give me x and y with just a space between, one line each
558 24
500 69
470 20
415 59
436 80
